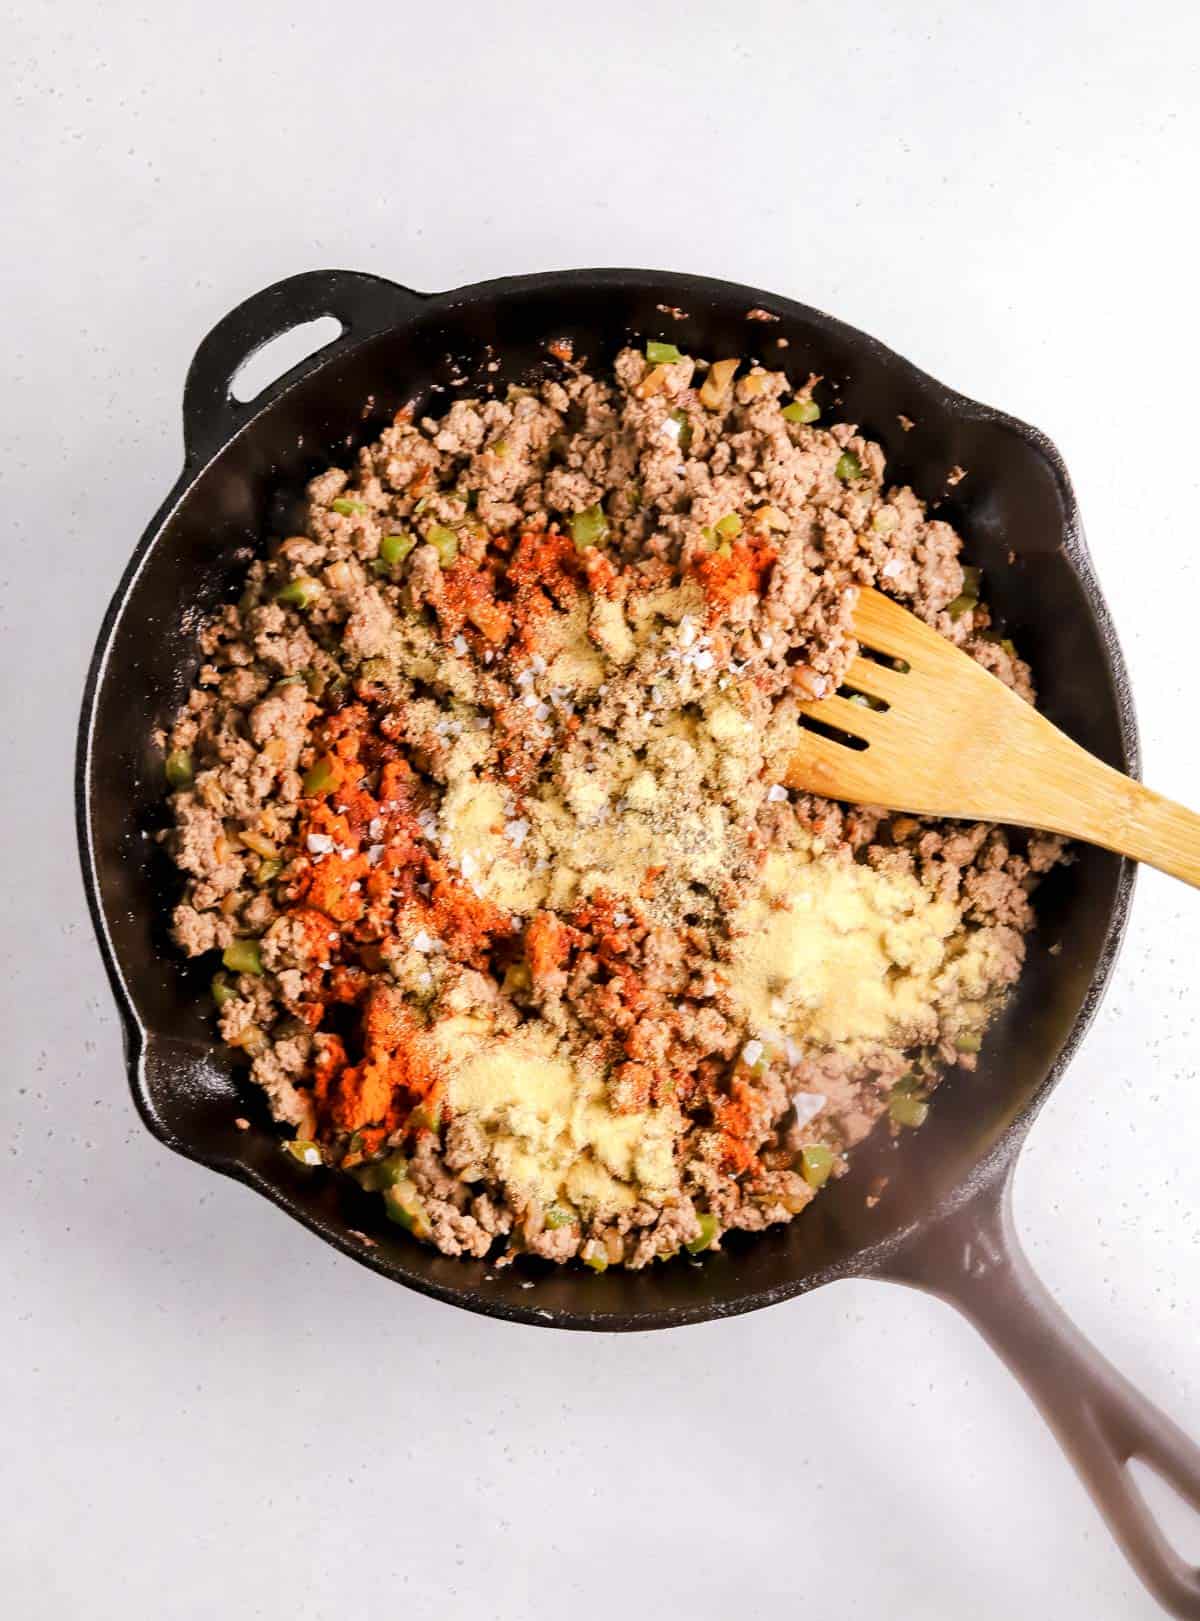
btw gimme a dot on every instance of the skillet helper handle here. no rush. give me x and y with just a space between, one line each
363 304
974 1261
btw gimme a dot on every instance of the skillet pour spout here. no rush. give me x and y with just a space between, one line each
932 1211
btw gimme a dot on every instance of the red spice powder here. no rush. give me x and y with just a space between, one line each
734 1118
468 600
398 1069
371 886
742 573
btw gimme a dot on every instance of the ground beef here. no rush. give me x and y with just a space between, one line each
568 629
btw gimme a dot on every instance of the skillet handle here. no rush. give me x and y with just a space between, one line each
363 304
974 1261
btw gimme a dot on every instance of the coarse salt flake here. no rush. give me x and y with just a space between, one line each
891 568
459 644
375 854
422 941
319 844
777 794
752 1052
703 659
516 831
807 1105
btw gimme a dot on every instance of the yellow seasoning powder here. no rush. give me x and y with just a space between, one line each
549 1131
836 954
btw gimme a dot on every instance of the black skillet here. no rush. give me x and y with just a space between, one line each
941 1219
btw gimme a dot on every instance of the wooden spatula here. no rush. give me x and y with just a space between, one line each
954 741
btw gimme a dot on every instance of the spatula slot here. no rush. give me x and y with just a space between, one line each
901 666
846 739
856 694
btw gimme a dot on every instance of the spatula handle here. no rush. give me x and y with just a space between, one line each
1087 799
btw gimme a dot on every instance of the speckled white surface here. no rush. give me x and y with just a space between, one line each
199 1401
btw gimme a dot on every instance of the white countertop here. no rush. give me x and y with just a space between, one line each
204 1410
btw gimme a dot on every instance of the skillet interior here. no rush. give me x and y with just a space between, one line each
1016 498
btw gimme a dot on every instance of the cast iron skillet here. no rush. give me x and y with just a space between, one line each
940 1220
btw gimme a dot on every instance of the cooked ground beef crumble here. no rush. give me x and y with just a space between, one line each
479 794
